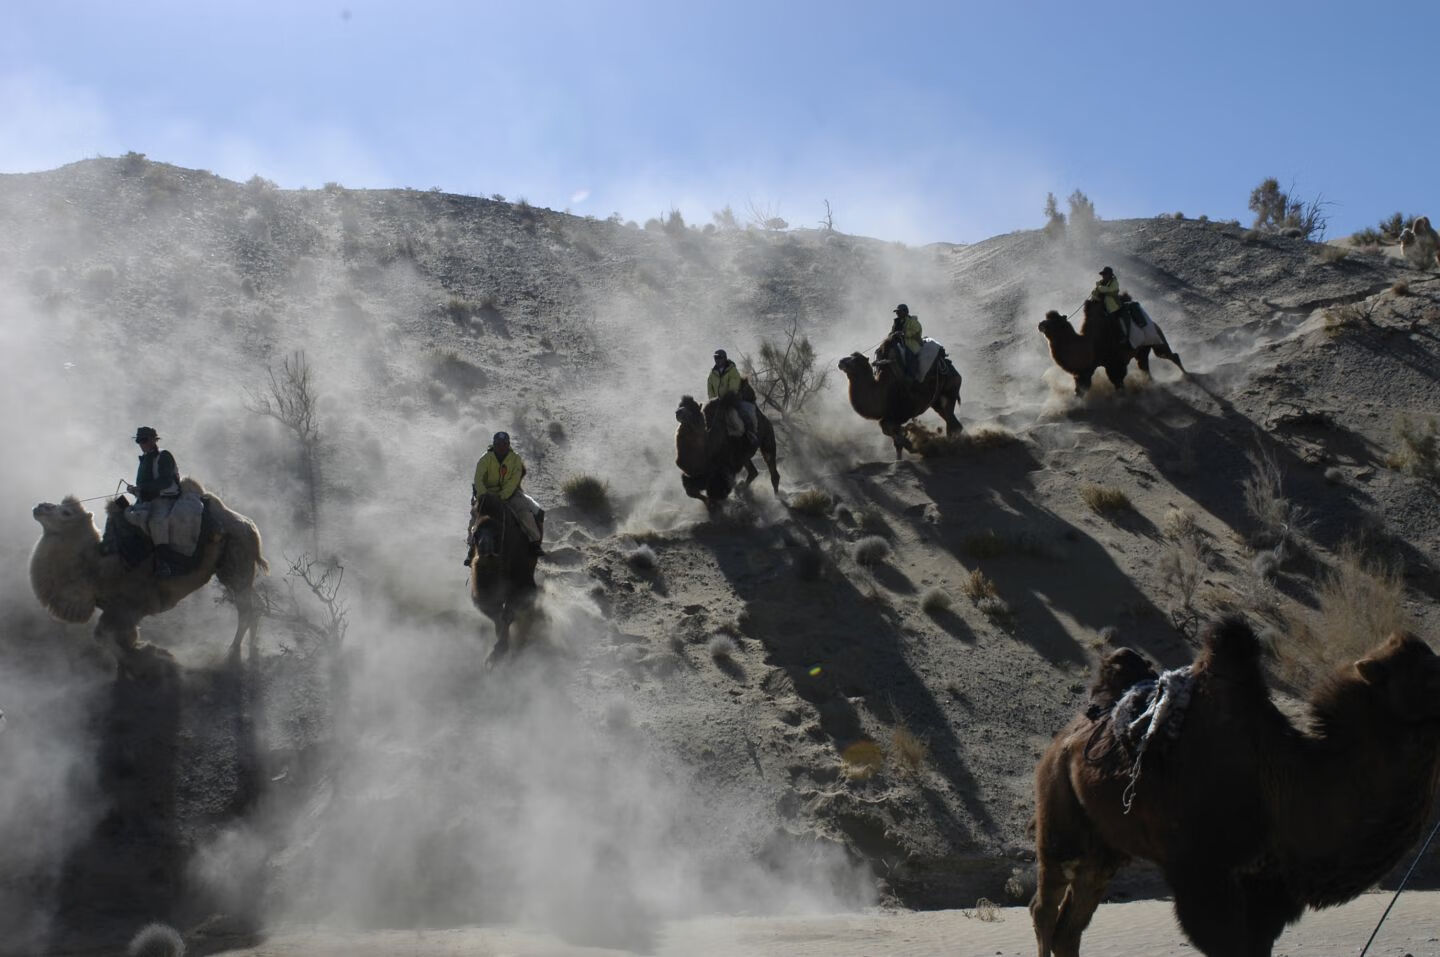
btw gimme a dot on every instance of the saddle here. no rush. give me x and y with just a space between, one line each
197 525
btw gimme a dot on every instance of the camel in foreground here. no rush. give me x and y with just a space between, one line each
709 457
1098 344
502 569
72 578
1250 818
881 393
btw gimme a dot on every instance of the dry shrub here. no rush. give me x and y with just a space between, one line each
871 550
872 520
1179 524
1182 567
991 544
992 437
1278 520
1418 447
1333 254
862 760
813 502
642 558
980 586
907 751
722 648
1361 602
935 443
935 600
985 910
156 940
587 493
1401 288
1338 319
1105 499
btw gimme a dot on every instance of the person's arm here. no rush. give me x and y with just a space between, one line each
514 472
164 476
712 385
478 485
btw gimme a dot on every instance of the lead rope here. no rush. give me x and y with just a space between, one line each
1413 863
115 494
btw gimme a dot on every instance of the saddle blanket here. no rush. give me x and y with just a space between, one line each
1147 334
174 522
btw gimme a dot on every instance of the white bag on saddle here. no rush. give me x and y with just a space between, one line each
1146 335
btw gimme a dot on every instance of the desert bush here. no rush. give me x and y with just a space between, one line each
556 431
674 223
1333 254
1365 237
1417 453
457 374
935 600
133 163
1179 524
812 501
1337 319
985 910
1082 210
1277 519
1393 225
871 550
991 544
1054 219
1277 209
1401 288
788 374
1182 566
908 752
156 940
725 219
1105 499
722 648
979 586
1179 216
1361 602
642 558
587 493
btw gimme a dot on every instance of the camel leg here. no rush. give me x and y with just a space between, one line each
1268 909
1087 889
1082 381
502 639
247 611
769 455
1209 908
1051 892
1173 356
750 472
1117 376
1142 359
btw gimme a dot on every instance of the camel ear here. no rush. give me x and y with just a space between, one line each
1372 671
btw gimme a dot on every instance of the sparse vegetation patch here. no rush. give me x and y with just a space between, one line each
871 550
587 493
812 501
1106 499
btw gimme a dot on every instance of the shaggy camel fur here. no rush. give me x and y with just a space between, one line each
878 392
1099 343
502 571
71 577
709 457
1250 818
1420 244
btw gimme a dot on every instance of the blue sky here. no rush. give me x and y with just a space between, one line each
919 122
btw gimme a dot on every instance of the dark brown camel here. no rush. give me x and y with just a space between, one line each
502 569
1250 819
709 457
880 392
1099 344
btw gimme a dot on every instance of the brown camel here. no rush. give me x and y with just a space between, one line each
72 577
709 457
502 569
1250 818
881 392
1100 343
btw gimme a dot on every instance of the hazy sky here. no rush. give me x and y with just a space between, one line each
919 122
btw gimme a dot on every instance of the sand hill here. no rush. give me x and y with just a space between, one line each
811 702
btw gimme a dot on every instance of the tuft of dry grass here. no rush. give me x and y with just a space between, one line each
980 586
642 558
1361 602
813 502
587 493
1179 524
1333 254
935 600
1418 453
991 544
722 647
871 550
985 910
862 760
1277 519
908 752
1401 288
1105 499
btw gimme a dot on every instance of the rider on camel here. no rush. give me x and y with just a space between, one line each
909 337
1107 292
724 380
499 473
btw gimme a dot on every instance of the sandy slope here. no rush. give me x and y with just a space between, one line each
1119 930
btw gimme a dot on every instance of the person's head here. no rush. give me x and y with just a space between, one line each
721 359
901 311
146 438
1107 273
501 443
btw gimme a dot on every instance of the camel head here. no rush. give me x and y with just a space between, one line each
1405 673
1055 325
67 518
689 413
855 364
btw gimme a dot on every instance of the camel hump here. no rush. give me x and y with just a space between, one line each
1231 651
190 486
1119 671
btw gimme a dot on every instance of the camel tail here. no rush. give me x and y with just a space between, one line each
1232 651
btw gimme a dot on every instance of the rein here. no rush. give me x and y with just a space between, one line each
1413 863
115 494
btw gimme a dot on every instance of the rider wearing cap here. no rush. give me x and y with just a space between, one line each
724 380
906 329
1107 290
499 473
